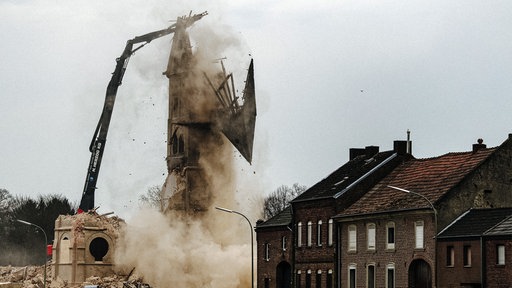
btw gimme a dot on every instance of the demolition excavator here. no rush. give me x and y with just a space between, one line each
236 120
99 138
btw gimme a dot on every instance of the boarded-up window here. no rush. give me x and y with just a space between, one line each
319 233
330 232
371 236
500 254
299 234
352 238
467 256
418 229
310 227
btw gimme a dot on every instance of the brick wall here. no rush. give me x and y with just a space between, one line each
319 260
498 276
454 276
400 258
266 268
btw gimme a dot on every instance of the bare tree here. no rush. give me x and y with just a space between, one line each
280 199
152 198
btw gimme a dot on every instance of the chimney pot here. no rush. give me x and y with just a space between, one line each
479 145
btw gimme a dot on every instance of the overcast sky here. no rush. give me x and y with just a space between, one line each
330 75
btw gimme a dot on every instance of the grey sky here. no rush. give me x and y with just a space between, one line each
330 75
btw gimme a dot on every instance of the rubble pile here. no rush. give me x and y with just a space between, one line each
33 277
28 276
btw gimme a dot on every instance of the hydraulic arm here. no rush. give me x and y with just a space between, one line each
99 138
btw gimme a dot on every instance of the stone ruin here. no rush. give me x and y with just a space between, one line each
84 246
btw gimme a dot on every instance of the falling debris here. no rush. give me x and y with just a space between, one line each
202 106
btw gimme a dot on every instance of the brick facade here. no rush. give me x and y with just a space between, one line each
272 255
382 257
317 261
456 273
362 193
498 275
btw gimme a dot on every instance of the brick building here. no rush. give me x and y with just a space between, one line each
274 240
388 235
474 250
498 255
313 235
352 229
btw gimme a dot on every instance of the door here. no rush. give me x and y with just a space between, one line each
420 274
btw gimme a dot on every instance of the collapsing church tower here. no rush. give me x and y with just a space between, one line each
202 107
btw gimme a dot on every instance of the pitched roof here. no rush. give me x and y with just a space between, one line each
503 228
430 177
283 218
476 222
344 176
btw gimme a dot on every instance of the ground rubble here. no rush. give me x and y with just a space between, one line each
33 277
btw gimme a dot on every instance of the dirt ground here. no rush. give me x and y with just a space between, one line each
33 277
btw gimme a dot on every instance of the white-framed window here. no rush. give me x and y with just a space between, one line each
450 256
390 235
352 238
318 279
330 231
370 275
500 254
267 252
352 276
308 279
467 256
390 275
328 281
310 227
319 233
283 243
370 234
299 234
298 278
419 235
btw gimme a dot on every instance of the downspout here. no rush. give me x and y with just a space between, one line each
483 261
294 243
338 255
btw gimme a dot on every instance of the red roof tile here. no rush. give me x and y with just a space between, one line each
430 177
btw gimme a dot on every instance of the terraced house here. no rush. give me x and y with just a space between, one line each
373 222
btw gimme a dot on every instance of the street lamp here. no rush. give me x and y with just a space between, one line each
435 222
252 241
45 243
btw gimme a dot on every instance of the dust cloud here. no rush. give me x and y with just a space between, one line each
212 248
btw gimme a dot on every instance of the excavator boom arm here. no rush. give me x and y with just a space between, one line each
99 138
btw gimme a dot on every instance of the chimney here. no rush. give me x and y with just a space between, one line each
355 152
479 145
401 147
368 152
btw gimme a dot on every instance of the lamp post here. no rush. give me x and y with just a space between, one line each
45 243
252 241
435 222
